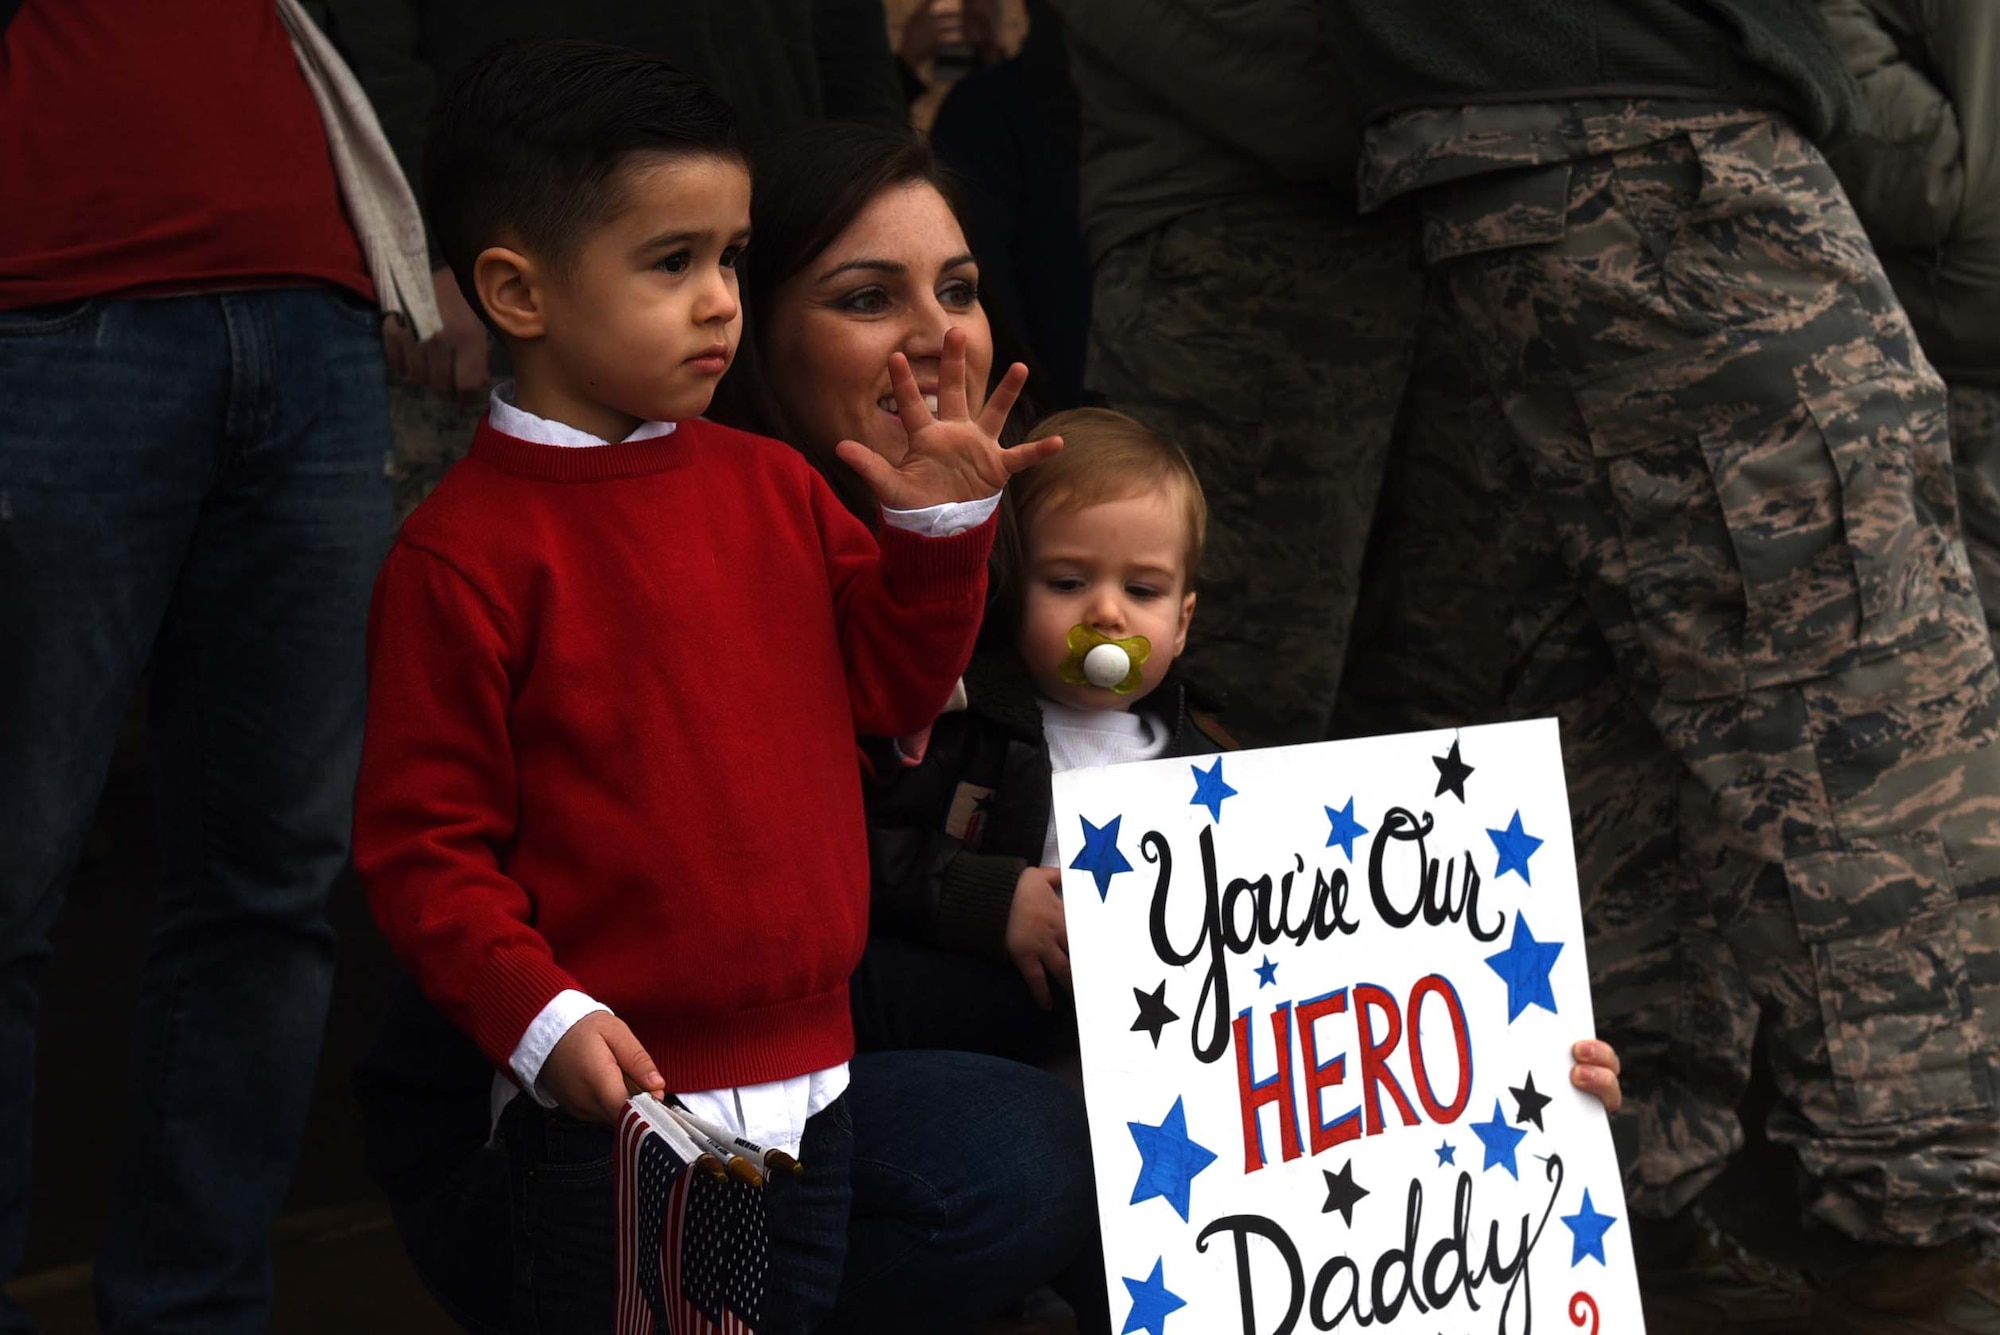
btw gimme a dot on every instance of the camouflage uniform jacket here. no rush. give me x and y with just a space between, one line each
949 837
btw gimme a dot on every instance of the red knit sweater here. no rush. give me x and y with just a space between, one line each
613 700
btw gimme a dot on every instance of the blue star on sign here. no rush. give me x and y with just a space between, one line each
1168 1160
1152 1303
1525 965
1587 1228
1500 1140
1346 829
1209 789
1447 1153
1100 856
1516 846
1267 973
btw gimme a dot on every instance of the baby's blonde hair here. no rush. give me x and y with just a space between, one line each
1108 456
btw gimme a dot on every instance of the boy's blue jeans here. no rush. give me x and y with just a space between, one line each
191 486
967 1185
560 1195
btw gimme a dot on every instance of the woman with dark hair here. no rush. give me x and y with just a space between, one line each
971 1178
859 252
880 226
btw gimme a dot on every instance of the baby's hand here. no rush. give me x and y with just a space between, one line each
1037 939
587 1072
952 457
1596 1072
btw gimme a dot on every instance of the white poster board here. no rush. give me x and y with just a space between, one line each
1326 997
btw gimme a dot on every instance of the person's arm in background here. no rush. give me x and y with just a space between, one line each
1964 37
973 137
384 42
1904 174
1254 74
858 77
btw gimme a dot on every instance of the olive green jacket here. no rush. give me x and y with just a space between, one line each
1190 103
1925 178
1395 55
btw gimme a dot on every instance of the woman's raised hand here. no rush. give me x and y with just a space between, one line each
952 455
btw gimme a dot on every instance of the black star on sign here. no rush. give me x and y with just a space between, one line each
1153 1012
1452 774
1342 1192
1528 1104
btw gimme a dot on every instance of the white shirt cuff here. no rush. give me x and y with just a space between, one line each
542 1035
941 521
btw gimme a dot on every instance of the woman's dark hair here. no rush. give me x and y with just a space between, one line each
809 185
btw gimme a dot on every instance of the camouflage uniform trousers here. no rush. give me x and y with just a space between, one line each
1743 461
1469 614
1270 339
1975 454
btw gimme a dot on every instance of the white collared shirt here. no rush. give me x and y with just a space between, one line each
773 1114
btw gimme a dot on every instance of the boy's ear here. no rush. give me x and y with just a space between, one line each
1187 618
509 286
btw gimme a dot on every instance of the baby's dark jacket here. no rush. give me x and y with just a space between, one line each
949 838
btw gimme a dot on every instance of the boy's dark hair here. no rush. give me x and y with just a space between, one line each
528 143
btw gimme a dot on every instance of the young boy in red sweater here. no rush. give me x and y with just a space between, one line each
609 810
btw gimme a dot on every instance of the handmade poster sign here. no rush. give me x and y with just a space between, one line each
1327 996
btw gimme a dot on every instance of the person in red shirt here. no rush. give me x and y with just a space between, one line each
193 422
609 810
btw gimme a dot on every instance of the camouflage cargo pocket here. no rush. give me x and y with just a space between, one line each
1525 206
1759 549
1880 921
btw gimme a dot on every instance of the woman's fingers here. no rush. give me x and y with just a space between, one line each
1001 401
1038 983
873 468
1056 965
1031 453
909 398
952 405
1601 1081
1596 1052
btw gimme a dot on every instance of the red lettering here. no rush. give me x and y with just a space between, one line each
1324 1075
1461 1038
1375 1071
1275 1088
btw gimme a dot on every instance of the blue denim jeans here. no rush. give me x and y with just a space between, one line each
192 487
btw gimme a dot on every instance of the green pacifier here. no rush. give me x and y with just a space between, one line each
1098 660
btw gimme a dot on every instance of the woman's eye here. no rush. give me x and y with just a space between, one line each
677 262
868 301
959 295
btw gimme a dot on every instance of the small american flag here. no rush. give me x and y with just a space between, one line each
692 1252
